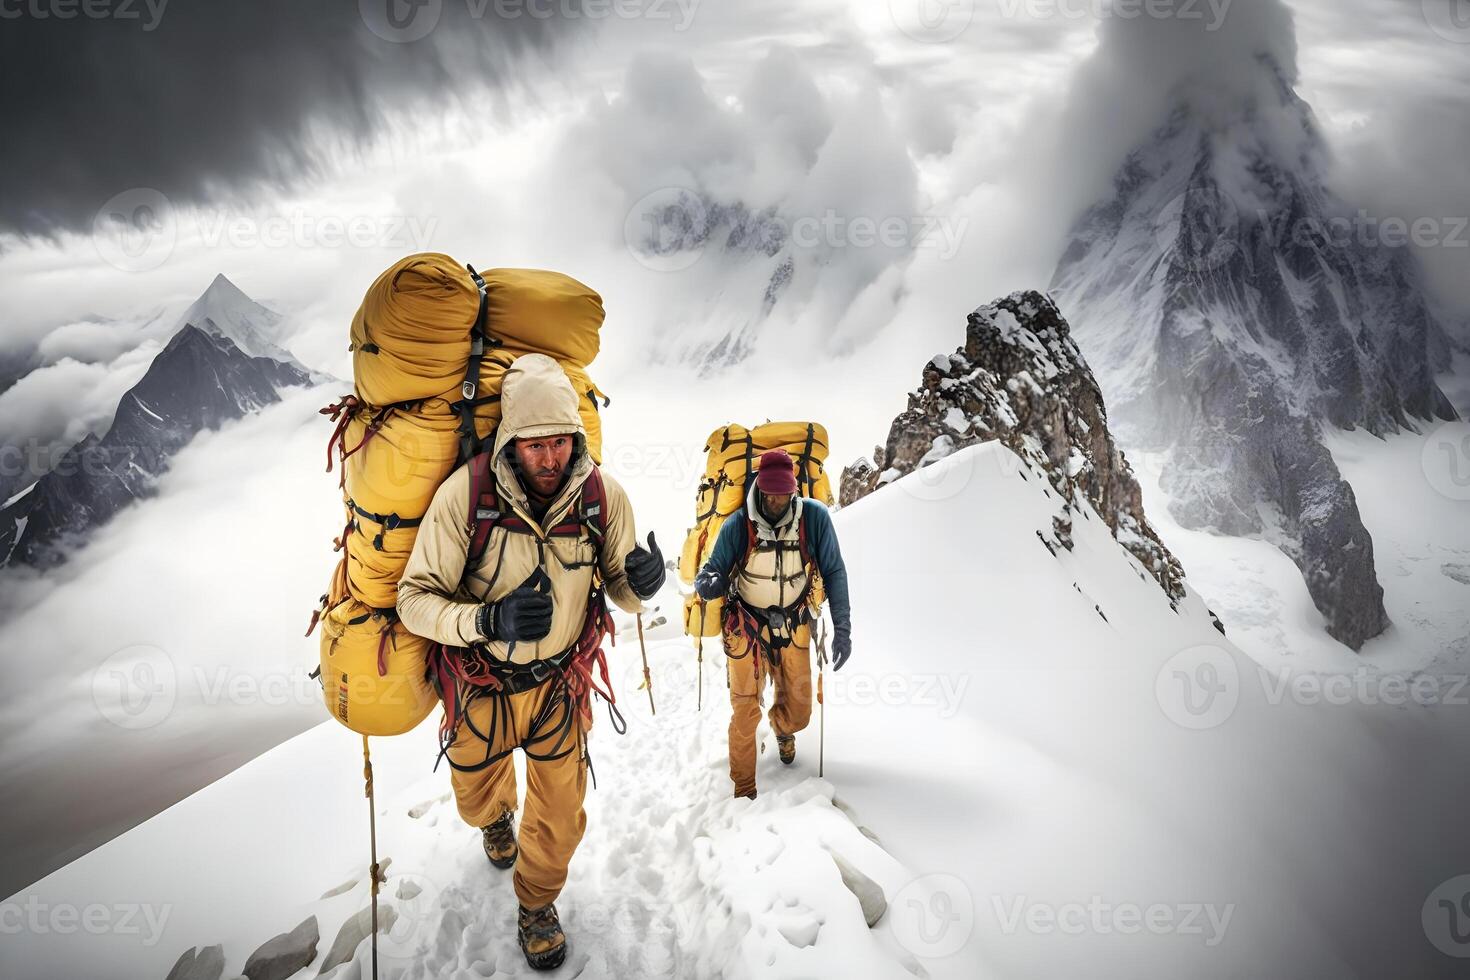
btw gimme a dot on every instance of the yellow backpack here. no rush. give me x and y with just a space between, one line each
732 454
430 346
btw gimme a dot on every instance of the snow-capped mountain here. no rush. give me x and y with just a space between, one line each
1020 380
217 367
1232 306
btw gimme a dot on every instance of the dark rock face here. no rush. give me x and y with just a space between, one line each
199 381
1020 380
1231 306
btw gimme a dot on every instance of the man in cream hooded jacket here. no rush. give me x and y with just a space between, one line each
524 605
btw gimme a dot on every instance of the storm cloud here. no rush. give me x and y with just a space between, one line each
197 99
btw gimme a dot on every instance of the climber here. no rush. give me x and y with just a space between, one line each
521 627
763 562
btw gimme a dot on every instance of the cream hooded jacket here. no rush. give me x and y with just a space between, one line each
439 599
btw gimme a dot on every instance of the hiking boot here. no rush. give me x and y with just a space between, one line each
745 796
542 940
500 840
786 746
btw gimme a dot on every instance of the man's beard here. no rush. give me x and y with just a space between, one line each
534 487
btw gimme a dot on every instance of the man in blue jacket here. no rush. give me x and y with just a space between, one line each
764 562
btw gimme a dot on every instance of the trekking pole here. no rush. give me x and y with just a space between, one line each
647 678
699 648
821 701
367 775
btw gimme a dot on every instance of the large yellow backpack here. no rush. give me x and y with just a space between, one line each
430 346
732 455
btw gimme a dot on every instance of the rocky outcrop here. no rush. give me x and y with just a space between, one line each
285 954
199 964
1020 380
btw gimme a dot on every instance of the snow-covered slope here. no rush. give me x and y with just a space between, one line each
1048 793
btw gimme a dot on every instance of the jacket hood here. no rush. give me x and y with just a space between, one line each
536 400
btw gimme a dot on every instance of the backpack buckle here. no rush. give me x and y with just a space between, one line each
486 514
468 389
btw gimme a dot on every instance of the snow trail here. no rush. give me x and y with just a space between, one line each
674 878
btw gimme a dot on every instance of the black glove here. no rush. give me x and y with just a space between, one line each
645 568
525 614
710 584
841 646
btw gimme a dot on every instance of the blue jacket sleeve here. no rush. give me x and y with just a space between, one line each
822 539
727 546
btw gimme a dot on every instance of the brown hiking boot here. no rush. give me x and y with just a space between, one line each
786 746
500 840
542 940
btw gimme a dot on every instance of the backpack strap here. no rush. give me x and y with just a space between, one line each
484 507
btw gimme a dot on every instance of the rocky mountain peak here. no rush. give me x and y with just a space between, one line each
1020 380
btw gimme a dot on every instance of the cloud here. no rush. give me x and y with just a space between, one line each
208 100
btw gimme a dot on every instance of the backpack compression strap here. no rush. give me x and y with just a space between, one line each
480 341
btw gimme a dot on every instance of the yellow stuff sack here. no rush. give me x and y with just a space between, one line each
731 452
544 311
374 671
411 335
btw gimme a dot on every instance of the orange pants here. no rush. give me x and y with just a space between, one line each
791 707
554 820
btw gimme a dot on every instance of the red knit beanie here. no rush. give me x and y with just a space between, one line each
776 474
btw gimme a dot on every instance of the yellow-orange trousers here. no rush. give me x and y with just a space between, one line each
791 706
554 820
